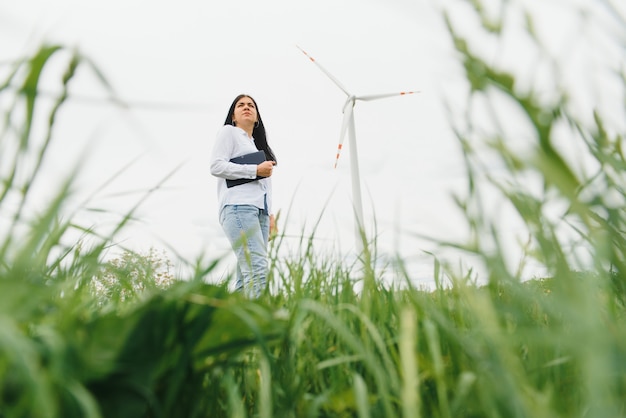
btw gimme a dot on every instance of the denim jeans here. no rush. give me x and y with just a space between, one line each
247 228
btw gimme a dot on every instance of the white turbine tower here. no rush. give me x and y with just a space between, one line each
348 124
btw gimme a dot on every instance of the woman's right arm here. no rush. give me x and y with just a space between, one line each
223 151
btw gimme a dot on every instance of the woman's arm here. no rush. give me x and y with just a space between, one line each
223 150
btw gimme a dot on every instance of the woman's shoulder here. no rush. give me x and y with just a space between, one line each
226 128
230 130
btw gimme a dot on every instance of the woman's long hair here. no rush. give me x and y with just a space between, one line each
258 133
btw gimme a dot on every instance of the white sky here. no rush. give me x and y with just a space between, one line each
198 55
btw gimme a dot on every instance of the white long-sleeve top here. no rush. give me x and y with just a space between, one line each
233 142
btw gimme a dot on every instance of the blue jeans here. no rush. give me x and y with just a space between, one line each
247 228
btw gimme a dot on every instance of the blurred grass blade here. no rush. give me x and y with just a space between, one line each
408 363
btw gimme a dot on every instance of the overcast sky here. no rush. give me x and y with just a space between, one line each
180 64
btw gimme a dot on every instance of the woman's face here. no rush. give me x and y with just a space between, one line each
245 111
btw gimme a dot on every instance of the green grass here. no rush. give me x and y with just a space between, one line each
84 336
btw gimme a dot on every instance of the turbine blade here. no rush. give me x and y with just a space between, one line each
384 95
347 114
334 80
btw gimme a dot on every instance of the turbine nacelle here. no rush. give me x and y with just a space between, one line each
350 102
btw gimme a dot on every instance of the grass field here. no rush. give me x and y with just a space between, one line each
86 336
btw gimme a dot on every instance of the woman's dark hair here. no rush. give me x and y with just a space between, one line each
258 133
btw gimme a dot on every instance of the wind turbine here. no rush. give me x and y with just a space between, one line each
348 124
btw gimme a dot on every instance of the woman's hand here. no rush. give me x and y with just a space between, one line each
273 227
265 168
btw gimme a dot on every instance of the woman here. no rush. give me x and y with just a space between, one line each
245 209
